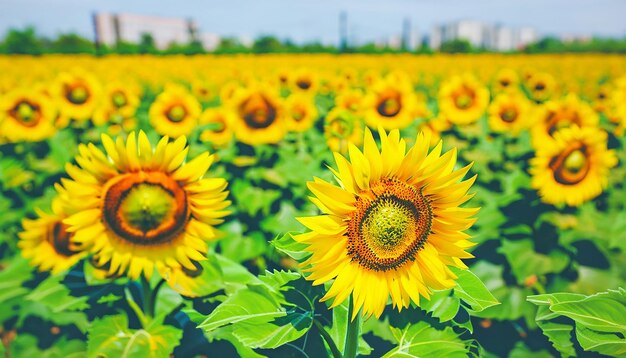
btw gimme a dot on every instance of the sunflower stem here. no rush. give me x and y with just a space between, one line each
329 340
353 333
148 299
155 293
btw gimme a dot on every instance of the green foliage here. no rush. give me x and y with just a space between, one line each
111 337
456 46
599 321
422 340
259 316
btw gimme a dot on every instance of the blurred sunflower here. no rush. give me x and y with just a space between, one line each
221 132
77 94
563 113
509 112
203 90
304 81
138 208
463 99
505 80
602 98
47 243
341 128
574 167
392 225
118 107
175 112
26 115
350 99
389 104
301 112
541 86
259 116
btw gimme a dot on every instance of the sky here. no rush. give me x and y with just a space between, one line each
317 20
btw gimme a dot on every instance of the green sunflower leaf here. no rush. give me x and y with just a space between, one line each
604 343
473 291
422 340
260 316
110 337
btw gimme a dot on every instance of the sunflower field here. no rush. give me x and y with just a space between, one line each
313 206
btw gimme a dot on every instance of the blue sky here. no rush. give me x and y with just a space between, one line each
310 20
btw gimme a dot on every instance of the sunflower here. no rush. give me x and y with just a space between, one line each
258 115
203 90
26 115
574 167
118 107
138 208
463 99
389 104
392 225
175 112
509 112
350 99
341 128
301 112
221 131
77 94
555 115
304 81
47 243
541 86
505 80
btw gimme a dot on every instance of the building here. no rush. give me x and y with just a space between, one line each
111 29
482 35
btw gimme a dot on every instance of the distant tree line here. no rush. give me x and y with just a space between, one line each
28 42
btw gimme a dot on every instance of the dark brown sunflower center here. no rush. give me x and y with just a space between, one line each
59 238
464 99
540 87
508 115
571 166
77 94
257 112
176 113
303 84
505 83
146 208
389 105
390 225
27 113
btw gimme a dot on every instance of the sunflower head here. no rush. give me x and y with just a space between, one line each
259 116
463 99
342 127
77 93
175 112
27 115
140 207
574 167
555 115
509 112
301 112
541 86
391 225
506 79
47 243
390 104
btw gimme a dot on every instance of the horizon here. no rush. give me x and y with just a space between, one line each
308 21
